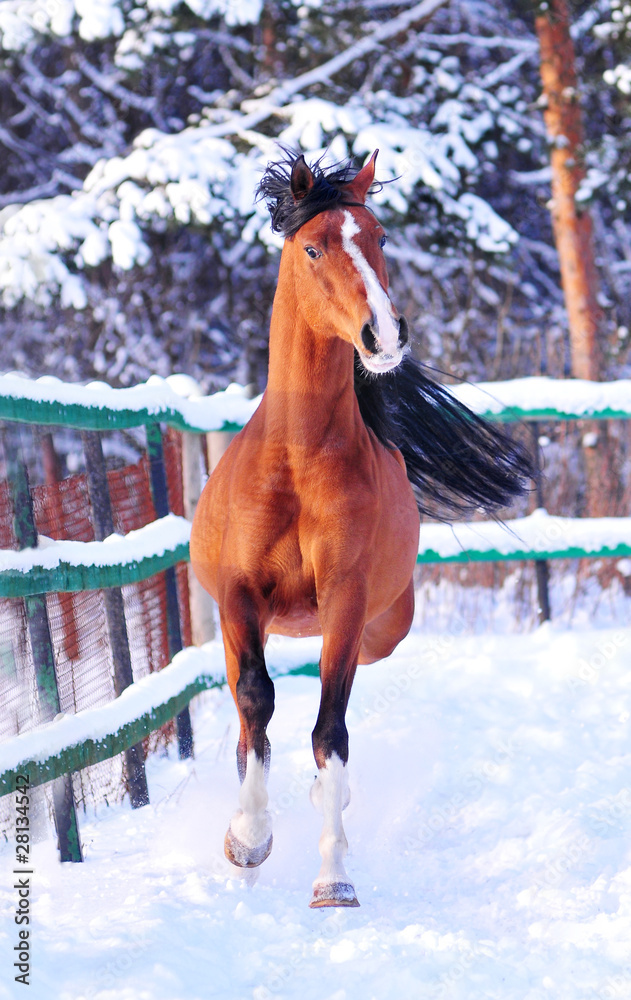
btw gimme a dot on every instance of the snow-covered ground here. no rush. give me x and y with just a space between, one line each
489 832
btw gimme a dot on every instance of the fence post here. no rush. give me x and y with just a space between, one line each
160 493
202 604
216 444
542 569
100 502
44 662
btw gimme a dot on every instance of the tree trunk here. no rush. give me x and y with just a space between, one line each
573 234
572 225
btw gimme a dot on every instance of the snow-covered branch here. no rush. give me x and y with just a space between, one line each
258 110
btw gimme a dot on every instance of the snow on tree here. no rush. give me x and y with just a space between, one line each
135 133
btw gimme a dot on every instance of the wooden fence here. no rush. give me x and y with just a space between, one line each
65 744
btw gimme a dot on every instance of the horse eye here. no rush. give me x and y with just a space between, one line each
383 241
313 253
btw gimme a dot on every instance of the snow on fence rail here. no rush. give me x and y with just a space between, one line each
538 536
73 742
66 566
175 401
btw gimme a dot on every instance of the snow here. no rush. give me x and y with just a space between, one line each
207 173
539 532
31 238
127 244
145 695
235 12
99 18
189 176
157 396
21 20
489 830
311 118
163 535
485 226
619 76
141 697
179 394
571 396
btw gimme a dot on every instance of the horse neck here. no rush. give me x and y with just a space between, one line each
310 390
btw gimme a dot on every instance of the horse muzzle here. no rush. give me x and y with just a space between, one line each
383 354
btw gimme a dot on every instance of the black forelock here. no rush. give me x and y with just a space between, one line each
289 215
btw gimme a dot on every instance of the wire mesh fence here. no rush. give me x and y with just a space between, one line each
485 595
78 621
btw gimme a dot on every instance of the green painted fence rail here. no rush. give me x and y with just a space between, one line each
525 555
79 754
86 408
539 536
50 413
73 579
98 407
67 578
84 412
93 751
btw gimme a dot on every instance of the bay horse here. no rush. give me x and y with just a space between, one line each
309 525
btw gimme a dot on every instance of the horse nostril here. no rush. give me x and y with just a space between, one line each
368 339
404 331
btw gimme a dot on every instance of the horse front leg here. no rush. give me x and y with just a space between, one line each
249 838
342 628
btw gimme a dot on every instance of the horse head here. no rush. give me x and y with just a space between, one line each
335 245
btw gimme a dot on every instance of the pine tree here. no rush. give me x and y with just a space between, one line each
129 243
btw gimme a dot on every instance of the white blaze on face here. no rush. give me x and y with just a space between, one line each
387 327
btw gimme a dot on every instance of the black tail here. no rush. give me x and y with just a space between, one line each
456 462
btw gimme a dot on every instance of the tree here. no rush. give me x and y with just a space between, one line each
133 141
574 241
572 222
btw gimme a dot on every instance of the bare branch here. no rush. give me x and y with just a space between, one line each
44 190
507 68
239 74
110 86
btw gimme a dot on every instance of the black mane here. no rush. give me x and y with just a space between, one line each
456 461
289 215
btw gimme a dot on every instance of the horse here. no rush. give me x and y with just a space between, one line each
309 525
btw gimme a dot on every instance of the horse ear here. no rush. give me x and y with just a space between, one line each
359 187
301 179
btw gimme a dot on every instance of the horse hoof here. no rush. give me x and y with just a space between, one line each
245 857
333 894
